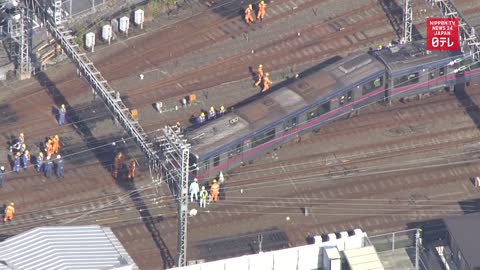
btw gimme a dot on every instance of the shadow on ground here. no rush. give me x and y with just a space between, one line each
104 151
150 223
243 244
394 14
471 108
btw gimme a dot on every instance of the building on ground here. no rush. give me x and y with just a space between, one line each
463 242
65 248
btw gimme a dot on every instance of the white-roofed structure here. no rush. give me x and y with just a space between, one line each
365 258
65 247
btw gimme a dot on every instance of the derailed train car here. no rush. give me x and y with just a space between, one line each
312 100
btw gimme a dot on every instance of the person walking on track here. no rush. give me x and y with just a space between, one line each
203 197
117 164
214 190
262 7
194 189
249 14
259 75
9 212
266 82
61 115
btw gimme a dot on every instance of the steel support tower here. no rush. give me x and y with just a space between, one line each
407 21
173 164
102 88
468 37
19 29
57 11
175 168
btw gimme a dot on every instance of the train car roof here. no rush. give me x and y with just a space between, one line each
401 58
275 105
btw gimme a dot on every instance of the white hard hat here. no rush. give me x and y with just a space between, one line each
2 168
195 179
58 156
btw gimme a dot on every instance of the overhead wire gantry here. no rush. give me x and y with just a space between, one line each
468 37
160 164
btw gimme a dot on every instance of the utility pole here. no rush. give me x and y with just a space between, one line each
19 29
407 21
175 167
417 249
468 37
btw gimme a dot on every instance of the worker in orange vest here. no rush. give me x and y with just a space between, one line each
49 148
117 164
266 82
249 14
261 10
259 75
214 190
9 212
132 168
55 144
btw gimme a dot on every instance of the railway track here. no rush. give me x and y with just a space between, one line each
316 42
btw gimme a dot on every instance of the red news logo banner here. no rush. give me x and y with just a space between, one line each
442 34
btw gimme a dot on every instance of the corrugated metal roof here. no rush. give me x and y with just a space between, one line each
64 247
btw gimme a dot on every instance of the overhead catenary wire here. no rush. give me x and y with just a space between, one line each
87 150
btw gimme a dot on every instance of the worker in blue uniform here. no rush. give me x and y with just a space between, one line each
16 163
61 114
26 159
48 167
59 169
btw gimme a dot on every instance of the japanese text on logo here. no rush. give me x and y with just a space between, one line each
442 34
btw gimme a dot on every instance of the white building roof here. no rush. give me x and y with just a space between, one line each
365 258
64 247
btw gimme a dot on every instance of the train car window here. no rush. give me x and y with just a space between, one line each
312 114
412 78
372 85
263 138
206 165
342 100
237 150
290 123
431 73
441 71
349 96
324 108
216 161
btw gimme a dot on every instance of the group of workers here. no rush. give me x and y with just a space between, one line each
118 164
210 115
250 13
43 162
195 191
263 79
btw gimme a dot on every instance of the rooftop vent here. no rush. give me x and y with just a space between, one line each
355 63
233 121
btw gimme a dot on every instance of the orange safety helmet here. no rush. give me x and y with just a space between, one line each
260 66
214 180
262 2
267 74
56 136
